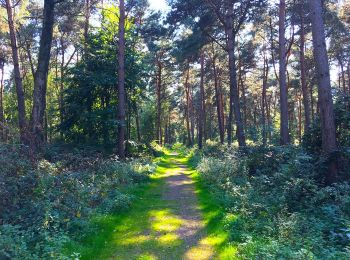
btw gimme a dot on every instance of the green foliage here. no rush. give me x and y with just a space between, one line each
279 208
48 204
90 101
312 139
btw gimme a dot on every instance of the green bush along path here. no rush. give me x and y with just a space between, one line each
173 217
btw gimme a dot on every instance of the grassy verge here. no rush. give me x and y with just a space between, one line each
146 231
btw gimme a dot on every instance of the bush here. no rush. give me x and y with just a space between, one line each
44 205
276 208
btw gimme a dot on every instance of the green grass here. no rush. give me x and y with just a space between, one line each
148 229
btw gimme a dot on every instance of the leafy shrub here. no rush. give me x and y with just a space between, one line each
276 208
44 205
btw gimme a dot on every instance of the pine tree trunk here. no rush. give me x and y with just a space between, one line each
187 92
329 143
201 123
234 107
22 122
40 79
218 102
137 119
282 75
159 103
306 102
121 82
264 101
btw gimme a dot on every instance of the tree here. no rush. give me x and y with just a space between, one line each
306 101
329 142
41 74
121 81
201 127
282 75
22 122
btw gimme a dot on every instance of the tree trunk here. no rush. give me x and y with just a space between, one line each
218 102
201 123
329 143
121 81
137 119
187 92
264 100
282 75
234 107
306 102
342 74
192 115
159 103
40 79
22 122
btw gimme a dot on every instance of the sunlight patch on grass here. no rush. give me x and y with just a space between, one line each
164 221
147 256
170 238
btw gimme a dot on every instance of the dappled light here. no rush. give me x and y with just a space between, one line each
174 129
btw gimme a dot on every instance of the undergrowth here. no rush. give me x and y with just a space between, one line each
275 203
46 204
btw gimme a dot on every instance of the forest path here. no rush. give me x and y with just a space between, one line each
164 222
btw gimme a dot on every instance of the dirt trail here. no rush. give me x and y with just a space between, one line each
180 190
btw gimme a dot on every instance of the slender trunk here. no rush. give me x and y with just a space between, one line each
329 142
342 74
234 107
306 102
282 75
268 115
187 92
137 119
22 122
159 103
60 101
201 123
121 81
192 115
218 102
40 79
264 101
299 119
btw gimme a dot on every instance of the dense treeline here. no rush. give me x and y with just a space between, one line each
260 78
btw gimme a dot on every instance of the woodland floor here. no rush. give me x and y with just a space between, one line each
173 217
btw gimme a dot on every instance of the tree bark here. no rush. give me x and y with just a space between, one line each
201 123
41 74
284 132
121 81
218 102
22 122
329 143
234 107
137 119
159 103
264 100
306 102
187 92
